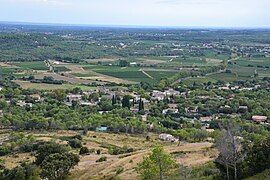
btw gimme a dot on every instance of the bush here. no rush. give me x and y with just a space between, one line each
118 150
103 158
57 166
119 170
75 143
77 137
98 151
84 150
4 150
23 171
47 149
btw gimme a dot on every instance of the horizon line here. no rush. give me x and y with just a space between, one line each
131 26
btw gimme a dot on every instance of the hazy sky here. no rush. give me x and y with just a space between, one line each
215 13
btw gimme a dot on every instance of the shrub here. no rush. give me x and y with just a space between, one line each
57 166
77 137
75 143
98 151
4 150
103 158
119 170
47 149
84 150
120 150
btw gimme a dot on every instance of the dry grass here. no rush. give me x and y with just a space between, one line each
106 78
14 160
188 154
4 64
102 60
196 154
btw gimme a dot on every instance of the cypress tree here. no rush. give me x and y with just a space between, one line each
141 105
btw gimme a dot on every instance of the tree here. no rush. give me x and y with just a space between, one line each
94 97
141 105
105 104
229 150
84 150
123 63
75 143
113 100
48 149
257 158
125 102
159 165
57 166
22 172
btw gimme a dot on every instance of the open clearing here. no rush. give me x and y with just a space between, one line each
194 154
43 86
5 65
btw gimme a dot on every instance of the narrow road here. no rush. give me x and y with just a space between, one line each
148 75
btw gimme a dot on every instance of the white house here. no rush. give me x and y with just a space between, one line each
74 97
167 137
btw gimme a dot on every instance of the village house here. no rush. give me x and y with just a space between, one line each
224 88
259 119
134 109
102 128
191 109
167 137
231 96
171 92
88 93
150 127
145 101
144 117
85 103
23 104
242 109
74 97
235 87
172 108
136 97
55 62
157 95
36 97
206 119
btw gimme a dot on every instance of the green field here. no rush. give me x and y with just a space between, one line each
7 70
253 62
34 65
199 80
130 73
227 77
61 69
158 75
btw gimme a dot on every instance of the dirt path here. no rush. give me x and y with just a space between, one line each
148 75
